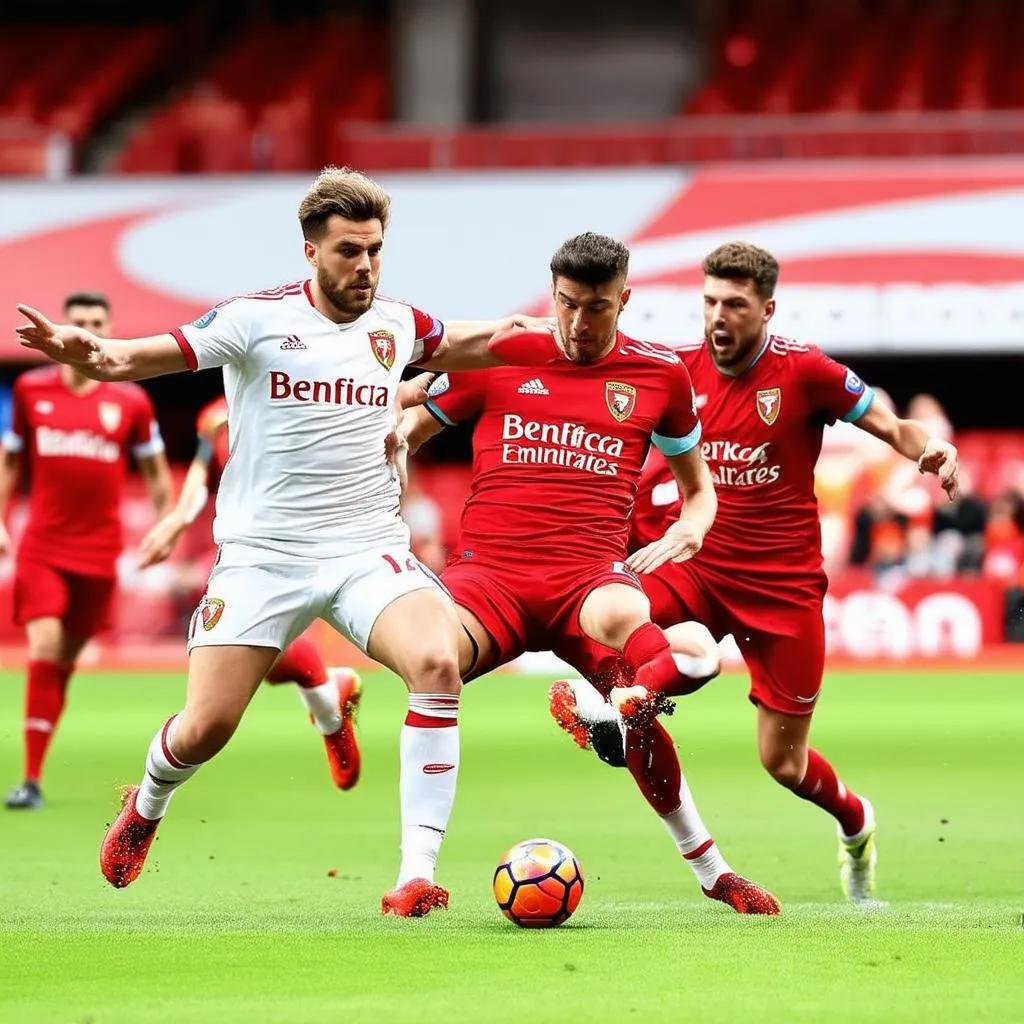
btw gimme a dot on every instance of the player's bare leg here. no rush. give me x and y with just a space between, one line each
331 696
785 754
427 659
51 661
478 653
221 682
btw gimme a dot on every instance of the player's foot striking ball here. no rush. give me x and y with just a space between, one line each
538 884
127 842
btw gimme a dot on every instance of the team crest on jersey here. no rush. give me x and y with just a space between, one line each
769 401
210 611
110 416
382 345
620 398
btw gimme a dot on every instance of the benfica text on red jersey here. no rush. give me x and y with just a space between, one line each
558 448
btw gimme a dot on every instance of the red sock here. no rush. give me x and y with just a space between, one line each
300 663
648 653
652 761
821 786
44 701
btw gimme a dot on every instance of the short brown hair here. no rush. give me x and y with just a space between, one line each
590 259
87 299
741 260
345 192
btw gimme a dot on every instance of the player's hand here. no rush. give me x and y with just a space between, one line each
941 458
5 540
158 544
528 323
415 391
682 540
62 343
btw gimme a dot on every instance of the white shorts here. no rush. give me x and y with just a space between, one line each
254 600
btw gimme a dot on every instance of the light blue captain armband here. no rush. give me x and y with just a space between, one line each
862 406
677 445
437 414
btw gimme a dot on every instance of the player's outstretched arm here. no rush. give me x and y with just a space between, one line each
683 539
912 440
469 344
100 358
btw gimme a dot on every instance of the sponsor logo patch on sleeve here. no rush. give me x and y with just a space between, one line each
853 383
205 320
439 386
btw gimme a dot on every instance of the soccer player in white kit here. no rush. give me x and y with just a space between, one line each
307 516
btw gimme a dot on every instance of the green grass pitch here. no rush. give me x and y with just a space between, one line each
237 920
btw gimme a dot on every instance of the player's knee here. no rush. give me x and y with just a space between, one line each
434 670
614 625
691 638
198 737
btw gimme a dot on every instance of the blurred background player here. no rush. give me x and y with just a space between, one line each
759 576
331 695
77 435
557 456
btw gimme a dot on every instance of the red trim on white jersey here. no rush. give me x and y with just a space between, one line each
191 360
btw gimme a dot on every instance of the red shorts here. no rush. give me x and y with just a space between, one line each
82 603
536 610
782 641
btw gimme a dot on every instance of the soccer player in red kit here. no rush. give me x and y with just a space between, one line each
331 695
765 401
76 435
540 562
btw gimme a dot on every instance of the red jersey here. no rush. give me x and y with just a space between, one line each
558 450
212 428
762 436
77 446
657 503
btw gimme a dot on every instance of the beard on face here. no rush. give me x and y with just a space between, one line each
589 352
344 301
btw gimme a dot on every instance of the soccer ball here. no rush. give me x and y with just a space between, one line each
538 883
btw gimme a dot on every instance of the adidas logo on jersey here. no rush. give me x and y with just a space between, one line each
293 341
534 386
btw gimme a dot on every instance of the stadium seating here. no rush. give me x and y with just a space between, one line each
256 111
863 56
68 81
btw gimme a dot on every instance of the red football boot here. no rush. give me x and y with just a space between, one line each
744 896
565 711
638 707
342 746
414 899
124 849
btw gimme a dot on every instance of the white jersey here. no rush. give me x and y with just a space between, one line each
310 403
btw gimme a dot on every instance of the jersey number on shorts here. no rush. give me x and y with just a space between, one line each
411 565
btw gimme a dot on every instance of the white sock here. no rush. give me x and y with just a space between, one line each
322 703
429 769
697 668
694 841
164 773
590 705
